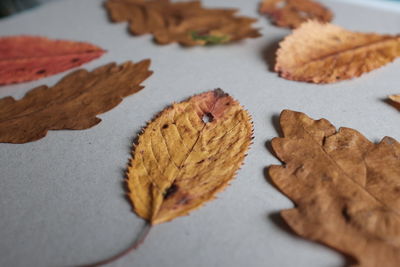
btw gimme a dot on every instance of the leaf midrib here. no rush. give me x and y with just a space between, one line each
185 159
94 51
386 39
345 173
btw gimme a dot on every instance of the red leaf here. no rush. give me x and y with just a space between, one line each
27 58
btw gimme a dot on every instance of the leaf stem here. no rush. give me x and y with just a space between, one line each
139 240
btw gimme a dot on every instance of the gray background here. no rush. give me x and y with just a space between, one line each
61 199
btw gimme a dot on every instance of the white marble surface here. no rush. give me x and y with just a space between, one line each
61 199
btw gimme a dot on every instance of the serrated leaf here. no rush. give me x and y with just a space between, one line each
292 13
181 161
72 103
325 53
346 188
177 21
27 58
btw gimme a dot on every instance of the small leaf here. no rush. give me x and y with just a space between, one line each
72 103
325 53
395 98
346 188
292 13
27 58
188 154
187 23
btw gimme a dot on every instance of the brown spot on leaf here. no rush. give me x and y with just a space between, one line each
41 71
171 191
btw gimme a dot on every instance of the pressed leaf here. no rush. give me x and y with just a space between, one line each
190 152
27 58
395 98
187 23
292 13
346 188
325 53
72 103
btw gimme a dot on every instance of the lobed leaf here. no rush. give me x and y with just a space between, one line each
292 13
346 188
72 103
187 23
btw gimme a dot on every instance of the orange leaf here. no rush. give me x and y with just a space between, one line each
187 23
291 13
346 188
27 58
325 53
72 103
184 157
188 154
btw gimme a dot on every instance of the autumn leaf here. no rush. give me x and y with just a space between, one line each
346 188
292 13
325 53
27 58
72 103
395 98
182 160
184 157
187 23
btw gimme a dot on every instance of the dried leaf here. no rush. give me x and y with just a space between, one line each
187 23
346 188
395 98
27 58
292 13
325 53
72 103
182 161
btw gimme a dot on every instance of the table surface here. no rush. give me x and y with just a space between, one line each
61 198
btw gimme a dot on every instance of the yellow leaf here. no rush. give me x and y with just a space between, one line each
325 53
186 155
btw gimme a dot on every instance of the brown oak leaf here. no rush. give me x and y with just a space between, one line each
292 13
187 23
27 58
72 103
190 152
325 53
346 188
